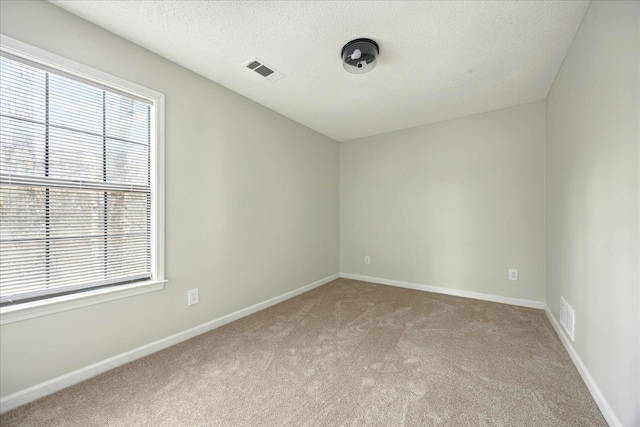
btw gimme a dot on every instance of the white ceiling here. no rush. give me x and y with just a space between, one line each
438 60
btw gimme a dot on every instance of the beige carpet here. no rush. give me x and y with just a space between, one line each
347 353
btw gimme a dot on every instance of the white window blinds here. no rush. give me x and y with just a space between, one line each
75 184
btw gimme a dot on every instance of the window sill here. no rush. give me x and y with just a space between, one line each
45 307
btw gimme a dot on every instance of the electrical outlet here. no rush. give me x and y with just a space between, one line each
192 296
513 274
367 259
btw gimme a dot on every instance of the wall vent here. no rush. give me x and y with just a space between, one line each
567 317
266 71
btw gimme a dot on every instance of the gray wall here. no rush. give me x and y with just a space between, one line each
593 120
251 207
453 204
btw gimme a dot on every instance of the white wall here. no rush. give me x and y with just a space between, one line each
453 204
251 207
593 119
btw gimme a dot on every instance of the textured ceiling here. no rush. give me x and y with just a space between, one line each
438 60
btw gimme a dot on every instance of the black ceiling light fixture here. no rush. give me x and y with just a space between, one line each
360 56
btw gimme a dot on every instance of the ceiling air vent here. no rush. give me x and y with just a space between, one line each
263 69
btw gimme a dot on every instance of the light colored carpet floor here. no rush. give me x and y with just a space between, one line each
346 353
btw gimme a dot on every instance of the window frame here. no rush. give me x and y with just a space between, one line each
54 304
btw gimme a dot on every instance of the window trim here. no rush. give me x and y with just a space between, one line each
55 304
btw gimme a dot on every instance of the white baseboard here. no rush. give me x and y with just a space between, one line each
457 292
51 386
601 401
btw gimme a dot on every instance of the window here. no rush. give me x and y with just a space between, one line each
80 193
